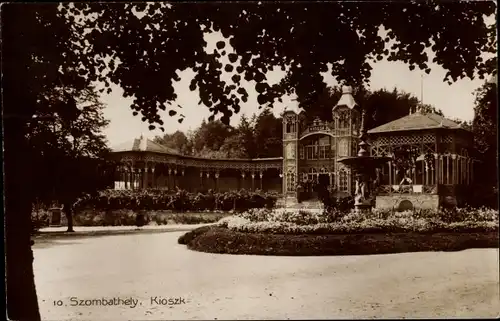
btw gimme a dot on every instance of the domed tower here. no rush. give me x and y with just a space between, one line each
347 123
291 125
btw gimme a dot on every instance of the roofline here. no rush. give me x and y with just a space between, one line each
416 129
203 158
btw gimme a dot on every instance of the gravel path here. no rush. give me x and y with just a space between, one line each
209 286
110 229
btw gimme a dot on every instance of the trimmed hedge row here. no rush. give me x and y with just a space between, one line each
180 201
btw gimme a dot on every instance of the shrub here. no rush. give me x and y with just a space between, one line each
191 235
180 201
342 204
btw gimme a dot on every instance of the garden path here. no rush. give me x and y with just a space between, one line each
145 266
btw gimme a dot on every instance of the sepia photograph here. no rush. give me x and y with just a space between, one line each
244 160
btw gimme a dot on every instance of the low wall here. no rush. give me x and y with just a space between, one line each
406 201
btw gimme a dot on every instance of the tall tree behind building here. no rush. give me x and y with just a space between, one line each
485 128
268 134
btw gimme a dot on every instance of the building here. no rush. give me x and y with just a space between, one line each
441 171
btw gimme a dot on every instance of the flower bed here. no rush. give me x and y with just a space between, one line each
286 232
223 240
309 217
390 225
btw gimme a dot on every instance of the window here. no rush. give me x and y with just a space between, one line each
343 148
318 149
324 152
309 152
343 180
290 182
354 148
301 152
313 175
343 120
290 127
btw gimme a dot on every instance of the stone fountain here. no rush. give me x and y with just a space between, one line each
364 168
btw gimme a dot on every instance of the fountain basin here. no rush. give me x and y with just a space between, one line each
363 164
364 168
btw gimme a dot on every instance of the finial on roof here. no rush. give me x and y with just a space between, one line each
441 123
346 99
346 90
143 142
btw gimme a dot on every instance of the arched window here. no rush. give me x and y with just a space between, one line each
356 120
291 127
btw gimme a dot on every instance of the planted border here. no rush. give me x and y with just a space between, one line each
224 240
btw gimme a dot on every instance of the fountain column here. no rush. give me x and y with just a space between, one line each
363 166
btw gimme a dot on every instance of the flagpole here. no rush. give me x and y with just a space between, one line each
421 89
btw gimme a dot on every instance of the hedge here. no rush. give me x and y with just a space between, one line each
180 201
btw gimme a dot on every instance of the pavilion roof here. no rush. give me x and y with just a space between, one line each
146 145
416 121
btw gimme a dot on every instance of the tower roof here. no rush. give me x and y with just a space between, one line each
346 99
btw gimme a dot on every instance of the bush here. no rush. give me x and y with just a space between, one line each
191 235
334 204
180 201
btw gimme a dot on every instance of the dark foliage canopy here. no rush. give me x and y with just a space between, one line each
141 47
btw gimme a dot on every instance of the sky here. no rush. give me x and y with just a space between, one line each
455 100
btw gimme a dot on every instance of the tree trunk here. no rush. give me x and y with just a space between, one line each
21 298
68 211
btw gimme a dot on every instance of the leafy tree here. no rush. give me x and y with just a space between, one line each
65 148
246 137
384 106
177 141
264 36
268 134
44 47
232 147
36 60
485 126
210 136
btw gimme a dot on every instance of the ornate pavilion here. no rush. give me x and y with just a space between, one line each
440 173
